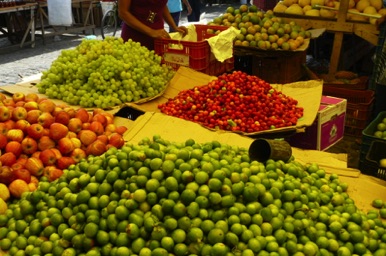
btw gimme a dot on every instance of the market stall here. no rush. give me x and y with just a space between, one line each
81 18
181 177
18 24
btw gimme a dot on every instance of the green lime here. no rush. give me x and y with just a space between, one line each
46 247
5 244
216 235
68 234
178 235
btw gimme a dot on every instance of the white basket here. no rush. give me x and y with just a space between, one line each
107 6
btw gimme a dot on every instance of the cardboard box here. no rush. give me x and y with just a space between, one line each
308 94
328 127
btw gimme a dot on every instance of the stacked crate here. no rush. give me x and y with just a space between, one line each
373 148
360 103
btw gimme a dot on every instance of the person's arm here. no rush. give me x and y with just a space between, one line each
170 21
188 7
125 14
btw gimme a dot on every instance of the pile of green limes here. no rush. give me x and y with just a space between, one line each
163 198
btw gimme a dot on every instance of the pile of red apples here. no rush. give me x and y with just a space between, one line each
39 137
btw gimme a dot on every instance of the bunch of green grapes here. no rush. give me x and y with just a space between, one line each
105 74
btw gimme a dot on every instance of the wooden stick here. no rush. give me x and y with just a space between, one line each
377 16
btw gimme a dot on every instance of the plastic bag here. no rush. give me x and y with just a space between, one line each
59 12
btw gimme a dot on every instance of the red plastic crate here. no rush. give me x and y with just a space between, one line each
195 55
359 107
352 96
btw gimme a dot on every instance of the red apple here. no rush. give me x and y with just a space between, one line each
96 148
46 119
45 142
34 166
18 187
18 96
83 115
29 145
46 132
58 131
116 140
71 135
104 138
78 154
19 104
35 131
62 117
33 116
6 175
86 126
47 105
22 125
57 110
121 129
48 157
34 180
19 113
3 128
31 97
110 128
14 147
9 102
31 105
3 141
99 118
8 159
75 124
36 154
22 174
71 111
87 137
22 159
5 113
109 117
52 173
97 111
18 165
65 145
64 162
57 152
2 96
9 124
97 127
15 135
76 142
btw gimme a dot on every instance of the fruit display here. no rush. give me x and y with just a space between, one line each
105 73
380 129
235 102
166 198
262 30
358 10
39 138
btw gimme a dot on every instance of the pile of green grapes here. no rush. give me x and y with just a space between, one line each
105 74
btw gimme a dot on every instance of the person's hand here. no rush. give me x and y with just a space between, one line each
189 10
183 30
160 33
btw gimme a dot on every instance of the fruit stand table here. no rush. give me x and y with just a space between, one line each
82 21
339 26
10 13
